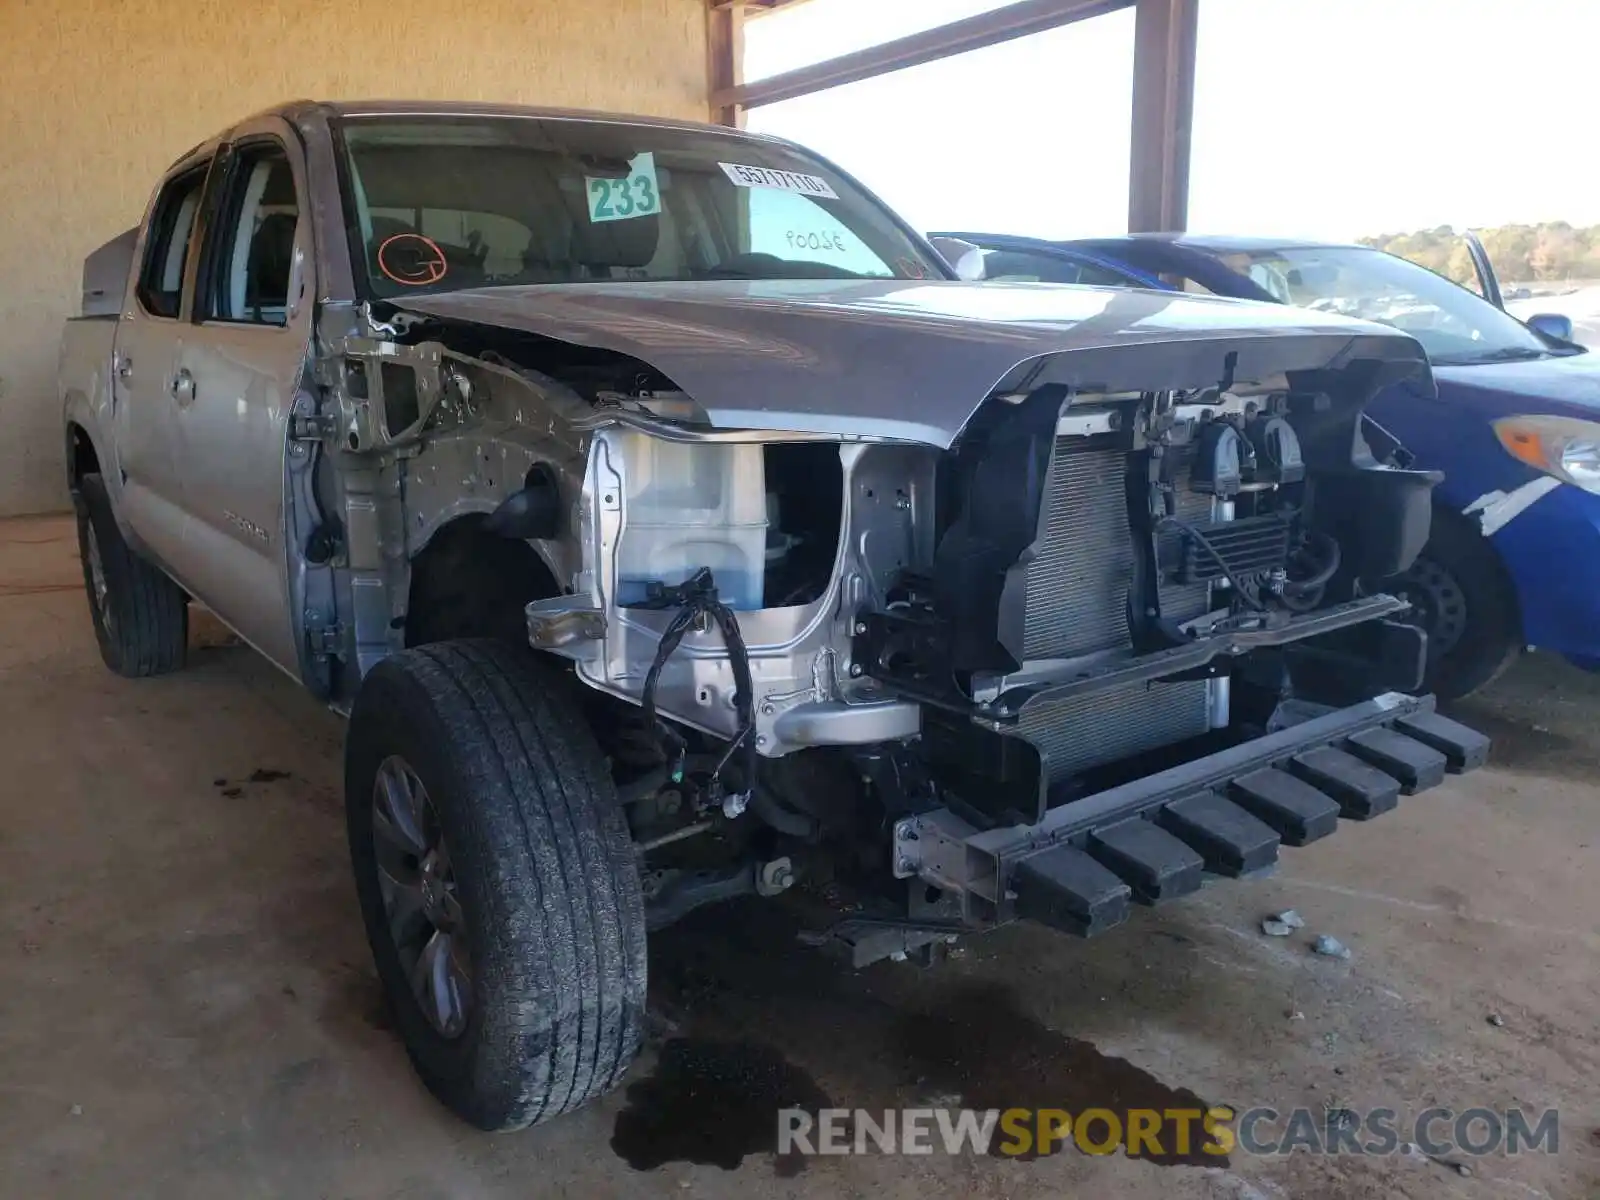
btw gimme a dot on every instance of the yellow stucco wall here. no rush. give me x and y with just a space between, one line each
98 96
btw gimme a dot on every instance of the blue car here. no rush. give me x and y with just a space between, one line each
1514 556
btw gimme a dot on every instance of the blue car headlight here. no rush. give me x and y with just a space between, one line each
1564 447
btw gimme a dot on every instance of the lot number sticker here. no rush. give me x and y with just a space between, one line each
783 181
637 195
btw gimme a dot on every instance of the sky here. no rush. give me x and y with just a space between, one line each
1312 117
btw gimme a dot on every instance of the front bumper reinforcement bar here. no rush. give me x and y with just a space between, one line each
1158 838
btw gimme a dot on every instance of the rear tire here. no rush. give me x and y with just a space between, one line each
551 965
1464 600
141 618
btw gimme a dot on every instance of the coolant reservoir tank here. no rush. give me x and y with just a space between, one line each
688 505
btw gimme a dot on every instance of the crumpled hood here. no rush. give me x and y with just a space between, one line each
913 359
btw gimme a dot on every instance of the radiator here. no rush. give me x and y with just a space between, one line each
1078 580
1120 723
1077 597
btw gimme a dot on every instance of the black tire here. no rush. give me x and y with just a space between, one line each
1464 600
141 618
544 872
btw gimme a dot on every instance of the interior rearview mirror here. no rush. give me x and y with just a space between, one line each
964 258
1553 325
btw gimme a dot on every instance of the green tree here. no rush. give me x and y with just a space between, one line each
1552 250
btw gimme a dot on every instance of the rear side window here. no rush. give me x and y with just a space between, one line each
167 249
253 242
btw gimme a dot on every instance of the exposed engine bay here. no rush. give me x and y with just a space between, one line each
834 636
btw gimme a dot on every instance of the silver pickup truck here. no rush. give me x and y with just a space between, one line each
673 525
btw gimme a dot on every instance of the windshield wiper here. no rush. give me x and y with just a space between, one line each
1504 354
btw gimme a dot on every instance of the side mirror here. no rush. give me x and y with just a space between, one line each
1552 325
964 258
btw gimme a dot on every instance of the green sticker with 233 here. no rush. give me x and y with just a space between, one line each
636 195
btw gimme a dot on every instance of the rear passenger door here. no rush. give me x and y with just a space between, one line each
150 333
238 376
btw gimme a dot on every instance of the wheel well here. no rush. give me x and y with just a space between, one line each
81 458
1467 533
467 582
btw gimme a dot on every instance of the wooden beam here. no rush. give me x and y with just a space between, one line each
1164 42
725 65
756 8
986 29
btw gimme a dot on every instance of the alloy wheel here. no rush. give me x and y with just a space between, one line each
97 576
417 881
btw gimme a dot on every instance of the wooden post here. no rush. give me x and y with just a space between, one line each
1164 41
725 70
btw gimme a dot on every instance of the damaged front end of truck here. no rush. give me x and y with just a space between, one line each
977 603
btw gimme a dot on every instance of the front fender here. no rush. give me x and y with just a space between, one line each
1551 550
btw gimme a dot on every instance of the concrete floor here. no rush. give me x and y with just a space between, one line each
187 1009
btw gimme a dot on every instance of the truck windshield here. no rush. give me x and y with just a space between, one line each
443 203
1454 325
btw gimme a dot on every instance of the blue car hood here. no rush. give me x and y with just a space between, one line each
1567 386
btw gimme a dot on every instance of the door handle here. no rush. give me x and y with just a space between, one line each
297 283
183 387
124 367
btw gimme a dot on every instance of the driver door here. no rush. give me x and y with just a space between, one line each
238 374
1488 282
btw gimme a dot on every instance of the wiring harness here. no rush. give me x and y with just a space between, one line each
696 599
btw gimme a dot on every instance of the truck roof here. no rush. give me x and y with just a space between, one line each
301 111
297 109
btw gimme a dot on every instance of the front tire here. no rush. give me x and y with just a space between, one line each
1464 600
141 618
497 880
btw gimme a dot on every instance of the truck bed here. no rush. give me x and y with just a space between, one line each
85 366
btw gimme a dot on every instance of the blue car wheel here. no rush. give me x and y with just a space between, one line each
1461 597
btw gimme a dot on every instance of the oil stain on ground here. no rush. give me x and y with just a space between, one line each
712 1103
979 1045
762 1023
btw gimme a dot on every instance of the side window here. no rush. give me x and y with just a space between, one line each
167 247
1271 280
252 246
791 227
1098 276
1024 267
